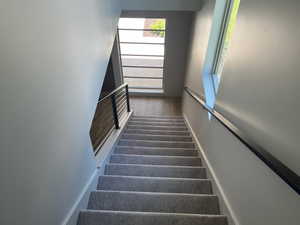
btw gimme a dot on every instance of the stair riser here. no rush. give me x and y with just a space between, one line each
154 185
152 171
157 128
163 152
124 142
156 138
118 218
149 202
148 160
156 132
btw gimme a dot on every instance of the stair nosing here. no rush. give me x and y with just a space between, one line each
158 135
162 156
130 129
158 178
157 141
155 148
154 213
157 121
158 124
143 125
154 193
145 165
159 117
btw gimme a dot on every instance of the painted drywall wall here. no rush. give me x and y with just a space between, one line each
115 56
191 5
109 83
258 92
53 60
203 45
260 84
198 47
177 38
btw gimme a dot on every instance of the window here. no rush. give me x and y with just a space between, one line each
142 48
230 16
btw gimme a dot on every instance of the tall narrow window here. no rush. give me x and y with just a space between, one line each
142 46
226 34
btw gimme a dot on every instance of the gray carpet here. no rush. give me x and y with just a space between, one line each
154 177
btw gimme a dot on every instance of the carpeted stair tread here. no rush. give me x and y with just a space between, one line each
155 171
153 137
156 132
158 117
149 127
106 217
155 184
155 160
163 144
155 151
156 123
153 202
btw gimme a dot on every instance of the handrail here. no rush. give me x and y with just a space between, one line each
283 171
113 92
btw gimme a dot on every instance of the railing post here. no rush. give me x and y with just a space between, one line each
115 112
127 98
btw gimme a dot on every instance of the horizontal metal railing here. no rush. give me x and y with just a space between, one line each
110 110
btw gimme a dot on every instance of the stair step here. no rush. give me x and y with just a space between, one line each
158 117
162 144
155 171
156 151
157 137
157 120
156 132
155 160
155 184
106 217
168 128
153 202
154 177
152 123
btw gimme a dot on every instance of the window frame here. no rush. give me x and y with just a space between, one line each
221 39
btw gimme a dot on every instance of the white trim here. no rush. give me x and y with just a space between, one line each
102 158
228 211
82 200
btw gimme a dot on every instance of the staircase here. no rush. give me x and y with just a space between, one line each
154 177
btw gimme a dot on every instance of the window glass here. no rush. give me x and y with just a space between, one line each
142 46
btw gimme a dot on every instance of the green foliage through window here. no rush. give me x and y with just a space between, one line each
159 25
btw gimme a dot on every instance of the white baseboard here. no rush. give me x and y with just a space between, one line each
82 200
102 158
225 206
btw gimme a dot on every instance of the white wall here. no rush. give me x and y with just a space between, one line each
161 4
52 63
200 36
259 93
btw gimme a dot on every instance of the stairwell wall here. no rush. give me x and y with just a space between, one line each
53 59
259 93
